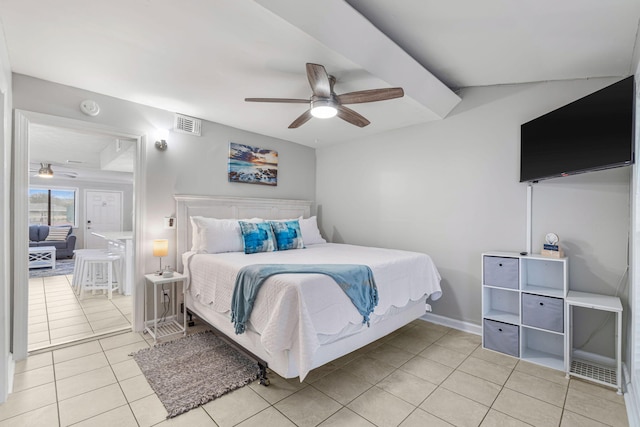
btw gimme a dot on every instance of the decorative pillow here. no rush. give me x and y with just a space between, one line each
310 232
287 234
258 237
58 233
212 235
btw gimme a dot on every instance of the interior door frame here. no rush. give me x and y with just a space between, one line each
23 120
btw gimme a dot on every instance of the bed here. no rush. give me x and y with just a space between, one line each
299 321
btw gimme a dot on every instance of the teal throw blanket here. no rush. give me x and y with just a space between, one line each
355 280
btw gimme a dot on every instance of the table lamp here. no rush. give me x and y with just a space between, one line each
160 249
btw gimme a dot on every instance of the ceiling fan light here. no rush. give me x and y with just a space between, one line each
323 109
45 170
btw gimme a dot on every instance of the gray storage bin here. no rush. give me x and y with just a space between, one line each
501 271
502 337
543 312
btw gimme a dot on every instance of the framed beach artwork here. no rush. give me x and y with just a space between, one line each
252 165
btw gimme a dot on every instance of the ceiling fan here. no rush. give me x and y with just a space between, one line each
45 171
324 103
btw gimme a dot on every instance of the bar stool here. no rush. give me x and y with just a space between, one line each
97 273
79 254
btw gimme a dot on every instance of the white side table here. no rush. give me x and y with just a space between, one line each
593 370
159 328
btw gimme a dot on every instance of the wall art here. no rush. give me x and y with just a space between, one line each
252 165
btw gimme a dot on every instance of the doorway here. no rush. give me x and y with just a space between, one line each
26 124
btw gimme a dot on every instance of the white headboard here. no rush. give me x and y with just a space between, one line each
230 208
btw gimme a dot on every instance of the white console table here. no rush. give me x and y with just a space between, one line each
608 374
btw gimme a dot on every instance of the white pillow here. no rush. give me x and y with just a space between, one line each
309 230
212 235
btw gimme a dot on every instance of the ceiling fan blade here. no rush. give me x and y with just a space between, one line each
304 118
348 115
284 100
370 95
319 80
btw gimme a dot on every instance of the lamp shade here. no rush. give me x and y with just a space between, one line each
160 247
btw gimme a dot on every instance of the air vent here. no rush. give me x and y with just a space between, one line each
186 124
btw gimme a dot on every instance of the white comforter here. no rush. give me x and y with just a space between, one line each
291 310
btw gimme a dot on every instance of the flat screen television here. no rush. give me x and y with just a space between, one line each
592 133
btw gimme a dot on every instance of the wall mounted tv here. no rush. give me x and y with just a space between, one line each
592 133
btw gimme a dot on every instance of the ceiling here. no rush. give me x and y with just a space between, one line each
80 155
202 58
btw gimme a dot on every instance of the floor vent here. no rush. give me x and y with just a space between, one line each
186 124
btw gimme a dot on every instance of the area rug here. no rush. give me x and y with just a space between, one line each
63 267
194 370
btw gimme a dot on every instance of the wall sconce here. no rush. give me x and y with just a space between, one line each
160 249
161 139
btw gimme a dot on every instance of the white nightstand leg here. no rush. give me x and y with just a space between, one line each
184 309
567 340
155 314
619 351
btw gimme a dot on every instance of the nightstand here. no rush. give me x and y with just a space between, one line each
165 291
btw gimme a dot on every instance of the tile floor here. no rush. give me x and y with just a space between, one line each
421 375
56 316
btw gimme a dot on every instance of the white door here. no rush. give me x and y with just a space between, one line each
103 212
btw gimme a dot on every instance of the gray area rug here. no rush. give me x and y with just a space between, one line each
191 371
63 267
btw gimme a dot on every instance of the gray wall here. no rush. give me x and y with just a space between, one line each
450 189
191 164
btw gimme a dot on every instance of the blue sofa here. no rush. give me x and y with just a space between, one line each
64 248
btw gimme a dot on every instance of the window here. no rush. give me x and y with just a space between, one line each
52 206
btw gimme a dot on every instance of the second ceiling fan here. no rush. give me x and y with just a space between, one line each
324 102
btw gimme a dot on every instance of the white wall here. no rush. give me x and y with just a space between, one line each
6 261
450 189
191 164
632 397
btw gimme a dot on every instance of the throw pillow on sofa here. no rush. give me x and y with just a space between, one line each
57 233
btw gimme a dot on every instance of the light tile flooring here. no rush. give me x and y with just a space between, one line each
56 316
422 375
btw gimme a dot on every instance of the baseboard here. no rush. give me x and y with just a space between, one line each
453 323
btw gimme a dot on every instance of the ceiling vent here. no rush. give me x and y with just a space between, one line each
186 124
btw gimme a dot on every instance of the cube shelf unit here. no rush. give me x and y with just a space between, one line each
523 306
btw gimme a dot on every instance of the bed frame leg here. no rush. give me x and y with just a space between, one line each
262 376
